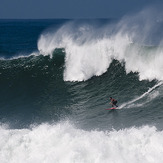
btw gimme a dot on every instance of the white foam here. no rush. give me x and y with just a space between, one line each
86 54
64 143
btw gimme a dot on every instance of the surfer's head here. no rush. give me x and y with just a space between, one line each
110 97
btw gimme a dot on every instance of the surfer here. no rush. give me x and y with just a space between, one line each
113 102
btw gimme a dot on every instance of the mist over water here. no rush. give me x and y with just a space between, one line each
54 94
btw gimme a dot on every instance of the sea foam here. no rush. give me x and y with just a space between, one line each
63 142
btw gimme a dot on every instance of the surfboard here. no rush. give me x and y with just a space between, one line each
111 108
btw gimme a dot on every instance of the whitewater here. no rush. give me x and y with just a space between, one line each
56 77
64 143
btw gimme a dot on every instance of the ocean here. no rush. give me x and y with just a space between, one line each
56 77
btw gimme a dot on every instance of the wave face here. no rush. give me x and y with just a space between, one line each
56 87
33 91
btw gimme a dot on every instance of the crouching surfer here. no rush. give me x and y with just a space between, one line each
113 102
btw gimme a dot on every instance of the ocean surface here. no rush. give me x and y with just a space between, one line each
56 77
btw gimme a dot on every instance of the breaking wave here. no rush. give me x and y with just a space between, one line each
90 49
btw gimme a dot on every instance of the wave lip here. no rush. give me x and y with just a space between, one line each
63 142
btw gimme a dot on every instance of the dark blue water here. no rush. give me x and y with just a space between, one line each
20 36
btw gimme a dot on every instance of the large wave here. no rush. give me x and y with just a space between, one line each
91 48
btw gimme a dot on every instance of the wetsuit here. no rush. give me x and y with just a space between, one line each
114 102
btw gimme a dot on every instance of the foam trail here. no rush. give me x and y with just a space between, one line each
142 96
64 143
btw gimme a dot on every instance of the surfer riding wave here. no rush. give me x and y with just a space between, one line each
113 102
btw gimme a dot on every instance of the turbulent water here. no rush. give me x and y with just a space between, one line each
56 77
